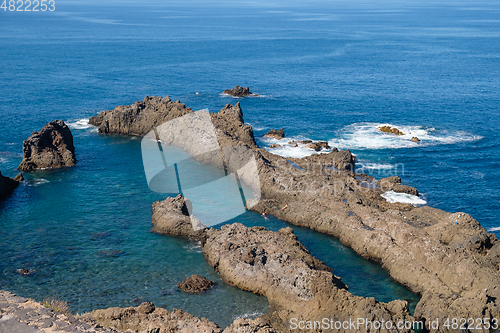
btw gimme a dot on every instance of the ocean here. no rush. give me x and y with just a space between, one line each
323 70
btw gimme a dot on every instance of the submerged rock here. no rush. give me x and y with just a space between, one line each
319 145
389 129
195 284
277 134
7 185
238 91
50 148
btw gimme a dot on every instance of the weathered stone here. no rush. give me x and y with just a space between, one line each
391 130
195 284
50 148
276 134
140 117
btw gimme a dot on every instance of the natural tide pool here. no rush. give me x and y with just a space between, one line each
85 233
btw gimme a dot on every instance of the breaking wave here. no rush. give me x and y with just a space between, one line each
393 197
368 136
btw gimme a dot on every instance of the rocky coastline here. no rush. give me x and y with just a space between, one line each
447 258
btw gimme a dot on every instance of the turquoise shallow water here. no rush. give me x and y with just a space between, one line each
329 71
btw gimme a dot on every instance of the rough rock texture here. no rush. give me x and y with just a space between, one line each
389 129
319 145
7 185
415 139
243 325
277 134
171 217
238 91
394 183
140 117
195 284
50 148
296 284
447 258
148 318
230 127
22 315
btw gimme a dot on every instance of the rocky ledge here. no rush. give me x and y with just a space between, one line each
50 148
140 117
447 258
7 185
239 91
297 285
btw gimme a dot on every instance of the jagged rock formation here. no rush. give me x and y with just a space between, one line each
277 134
230 127
140 117
195 284
296 284
238 91
50 148
7 185
447 258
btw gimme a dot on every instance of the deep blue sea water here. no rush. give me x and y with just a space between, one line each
324 70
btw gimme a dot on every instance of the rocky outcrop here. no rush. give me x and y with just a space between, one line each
390 130
298 286
415 139
7 185
148 318
195 284
50 148
276 134
171 217
230 127
319 145
394 184
140 117
447 258
238 91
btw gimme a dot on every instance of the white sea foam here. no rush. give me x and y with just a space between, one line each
249 315
393 197
39 181
368 136
80 124
494 229
3 160
375 166
288 150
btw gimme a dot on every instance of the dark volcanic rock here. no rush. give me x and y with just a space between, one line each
195 284
277 134
238 91
140 117
50 148
171 217
7 185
